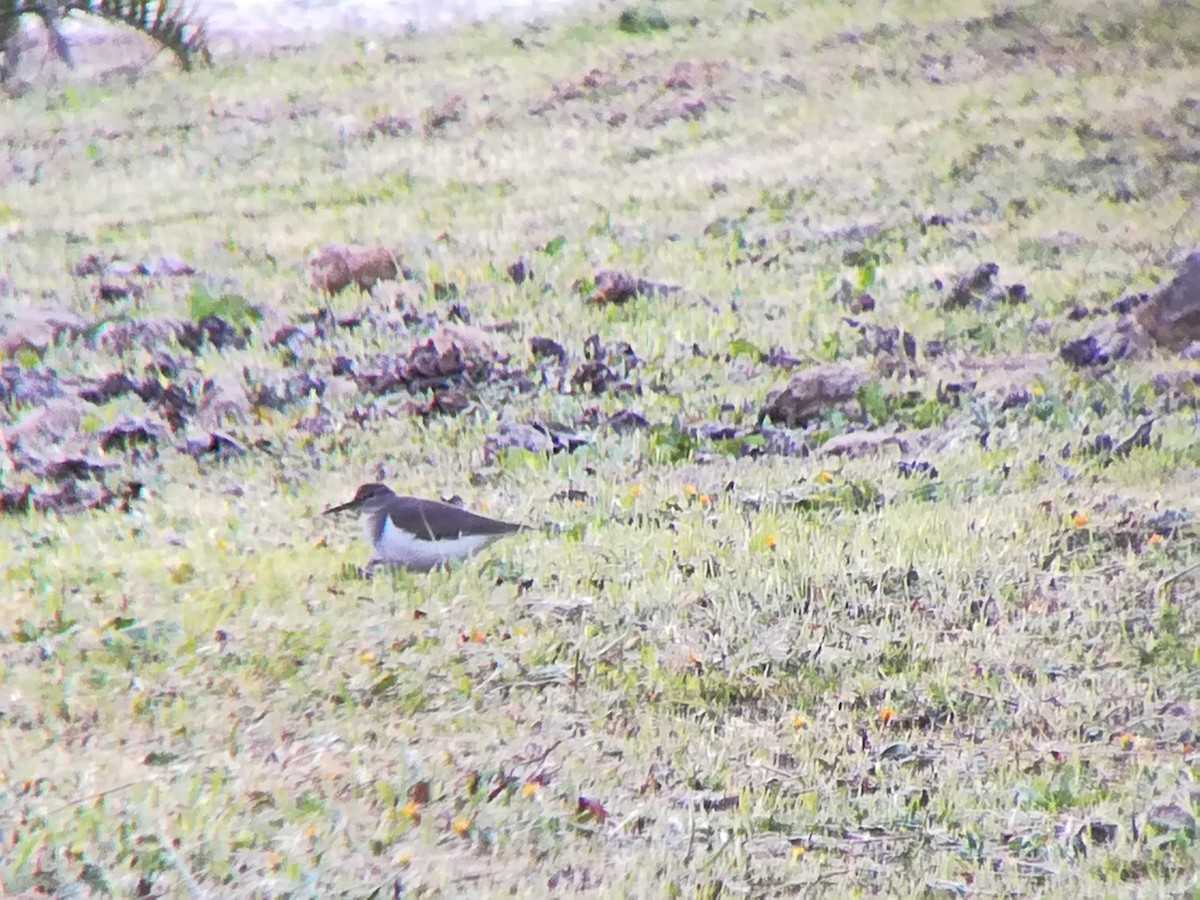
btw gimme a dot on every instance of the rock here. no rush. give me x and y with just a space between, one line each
51 422
217 443
118 336
534 436
1109 342
71 468
210 331
117 284
860 443
222 399
164 265
811 392
544 347
627 420
611 286
474 343
1171 316
110 387
92 264
862 303
36 329
20 386
979 289
519 271
333 268
277 390
128 433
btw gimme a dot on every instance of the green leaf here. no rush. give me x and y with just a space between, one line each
642 21
233 308
553 246
742 347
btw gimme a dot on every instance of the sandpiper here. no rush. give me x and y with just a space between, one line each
417 534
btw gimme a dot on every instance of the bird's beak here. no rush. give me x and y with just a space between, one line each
352 504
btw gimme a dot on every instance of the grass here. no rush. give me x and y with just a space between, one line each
723 671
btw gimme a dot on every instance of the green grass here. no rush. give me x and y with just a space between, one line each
720 673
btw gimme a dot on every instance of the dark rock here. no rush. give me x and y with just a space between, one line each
110 387
75 468
627 420
910 467
128 433
1172 315
862 303
972 285
28 387
210 331
1127 304
1108 343
164 265
279 390
36 329
570 495
544 347
216 443
781 359
519 272
812 392
534 436
1016 397
91 264
611 286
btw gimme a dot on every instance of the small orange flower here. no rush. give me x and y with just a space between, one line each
635 490
886 715
461 827
1155 538
705 499
478 637
1125 739
824 477
1079 520
411 810
770 541
529 788
690 490
799 722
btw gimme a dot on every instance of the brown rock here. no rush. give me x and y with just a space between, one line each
36 329
859 443
223 398
620 287
1172 315
51 423
333 268
811 392
149 332
473 343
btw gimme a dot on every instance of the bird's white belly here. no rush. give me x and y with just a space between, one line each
401 548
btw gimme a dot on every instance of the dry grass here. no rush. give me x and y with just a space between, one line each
718 673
